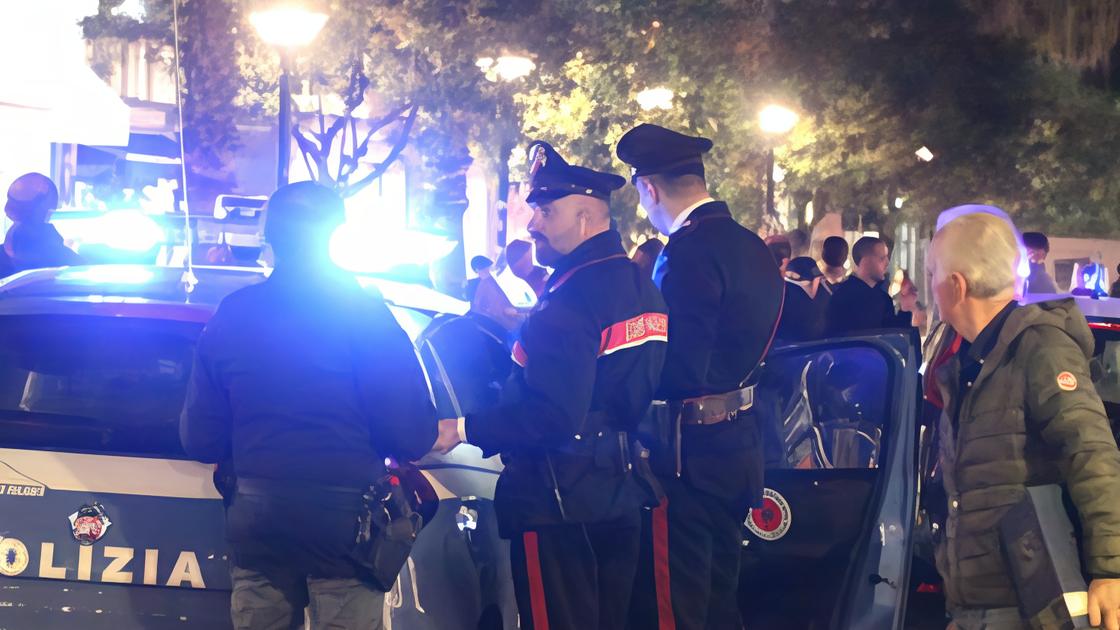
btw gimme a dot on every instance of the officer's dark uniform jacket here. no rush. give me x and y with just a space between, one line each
304 381
588 360
724 295
1021 410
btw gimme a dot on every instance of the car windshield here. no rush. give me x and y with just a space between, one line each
97 384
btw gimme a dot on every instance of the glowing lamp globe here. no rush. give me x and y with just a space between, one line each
288 26
775 119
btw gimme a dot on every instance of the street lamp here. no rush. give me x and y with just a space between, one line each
507 69
288 27
774 120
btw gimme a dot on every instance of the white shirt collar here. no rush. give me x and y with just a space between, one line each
678 223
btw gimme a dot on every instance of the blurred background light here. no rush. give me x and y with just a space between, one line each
367 247
655 98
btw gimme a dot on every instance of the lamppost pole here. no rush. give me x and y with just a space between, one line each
284 140
770 181
287 27
506 69
774 120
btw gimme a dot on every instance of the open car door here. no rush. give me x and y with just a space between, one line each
830 547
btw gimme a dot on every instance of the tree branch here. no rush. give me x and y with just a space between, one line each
394 154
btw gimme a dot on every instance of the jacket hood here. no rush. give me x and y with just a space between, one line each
1061 314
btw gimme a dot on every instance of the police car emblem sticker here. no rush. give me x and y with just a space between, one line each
89 523
771 521
13 556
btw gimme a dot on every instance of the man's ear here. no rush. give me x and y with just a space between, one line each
960 287
651 190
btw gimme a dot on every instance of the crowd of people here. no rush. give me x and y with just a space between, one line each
626 421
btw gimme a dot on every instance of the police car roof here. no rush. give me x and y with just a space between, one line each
162 293
1104 309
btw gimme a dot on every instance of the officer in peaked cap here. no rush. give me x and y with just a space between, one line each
724 295
588 360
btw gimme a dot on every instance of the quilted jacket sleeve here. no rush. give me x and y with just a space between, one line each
1062 401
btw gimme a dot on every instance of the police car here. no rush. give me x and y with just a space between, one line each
104 523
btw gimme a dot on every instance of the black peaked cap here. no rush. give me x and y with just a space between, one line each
650 149
551 177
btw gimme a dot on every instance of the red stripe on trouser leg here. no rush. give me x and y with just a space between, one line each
536 581
665 620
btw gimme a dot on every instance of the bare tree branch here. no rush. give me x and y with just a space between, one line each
398 148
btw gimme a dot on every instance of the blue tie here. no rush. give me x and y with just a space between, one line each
660 268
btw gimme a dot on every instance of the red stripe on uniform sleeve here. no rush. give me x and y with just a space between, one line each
634 332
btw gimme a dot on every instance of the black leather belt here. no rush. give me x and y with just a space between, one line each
717 407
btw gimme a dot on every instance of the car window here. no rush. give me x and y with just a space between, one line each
99 384
1106 373
825 410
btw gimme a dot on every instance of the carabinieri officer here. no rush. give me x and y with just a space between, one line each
589 358
724 295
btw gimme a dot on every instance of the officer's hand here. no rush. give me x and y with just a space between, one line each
448 437
1104 604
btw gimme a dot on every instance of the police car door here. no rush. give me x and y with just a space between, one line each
103 522
830 546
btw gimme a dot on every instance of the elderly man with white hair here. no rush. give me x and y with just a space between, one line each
1020 410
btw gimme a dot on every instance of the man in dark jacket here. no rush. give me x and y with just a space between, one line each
1019 410
303 384
588 362
806 303
724 295
857 305
834 256
32 242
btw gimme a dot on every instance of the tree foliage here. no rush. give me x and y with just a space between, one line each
992 88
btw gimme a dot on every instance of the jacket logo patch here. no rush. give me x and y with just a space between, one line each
1067 382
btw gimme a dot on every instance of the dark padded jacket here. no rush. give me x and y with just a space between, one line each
1031 417
587 362
306 377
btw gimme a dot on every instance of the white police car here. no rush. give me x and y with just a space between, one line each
104 523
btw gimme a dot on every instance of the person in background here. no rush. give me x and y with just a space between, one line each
482 267
32 242
646 255
907 301
799 242
1019 410
857 304
834 255
1115 290
781 250
519 257
1038 247
805 307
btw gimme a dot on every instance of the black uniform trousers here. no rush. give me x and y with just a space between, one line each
575 577
688 570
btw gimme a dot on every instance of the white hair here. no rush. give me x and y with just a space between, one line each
981 247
